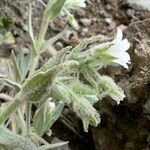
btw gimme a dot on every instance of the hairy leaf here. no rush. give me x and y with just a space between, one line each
8 138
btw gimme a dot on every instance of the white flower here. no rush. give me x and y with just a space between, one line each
74 4
118 49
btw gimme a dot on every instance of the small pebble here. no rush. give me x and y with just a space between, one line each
110 22
58 45
84 31
86 22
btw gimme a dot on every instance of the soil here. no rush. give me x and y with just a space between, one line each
125 126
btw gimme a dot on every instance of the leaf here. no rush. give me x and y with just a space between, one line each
19 66
37 87
11 84
39 119
51 117
53 9
16 67
44 119
8 138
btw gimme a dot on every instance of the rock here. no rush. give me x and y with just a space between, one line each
146 107
110 22
126 126
74 41
139 4
59 45
84 31
86 22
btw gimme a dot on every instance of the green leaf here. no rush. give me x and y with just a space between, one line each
39 119
8 138
19 66
11 84
44 119
37 87
51 117
16 67
53 9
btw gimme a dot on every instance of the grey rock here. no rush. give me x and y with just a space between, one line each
146 107
86 22
140 4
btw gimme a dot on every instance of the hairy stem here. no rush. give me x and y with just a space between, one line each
11 108
28 115
28 104
21 122
33 65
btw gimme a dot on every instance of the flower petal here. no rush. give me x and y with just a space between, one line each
126 57
119 36
122 63
124 45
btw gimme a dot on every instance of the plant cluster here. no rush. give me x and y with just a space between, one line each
58 82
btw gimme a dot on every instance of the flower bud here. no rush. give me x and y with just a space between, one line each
50 106
107 86
73 22
86 112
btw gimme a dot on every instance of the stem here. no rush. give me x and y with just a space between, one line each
28 115
22 122
33 65
14 125
41 37
5 114
28 104
67 12
43 30
39 139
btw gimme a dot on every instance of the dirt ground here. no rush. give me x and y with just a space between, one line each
123 127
